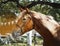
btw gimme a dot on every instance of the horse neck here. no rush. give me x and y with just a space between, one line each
48 38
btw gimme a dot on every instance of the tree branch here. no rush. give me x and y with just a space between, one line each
54 5
17 1
33 3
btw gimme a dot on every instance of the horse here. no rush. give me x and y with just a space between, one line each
14 29
12 26
46 26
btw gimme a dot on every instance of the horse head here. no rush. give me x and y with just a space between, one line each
22 23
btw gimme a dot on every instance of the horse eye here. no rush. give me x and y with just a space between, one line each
24 19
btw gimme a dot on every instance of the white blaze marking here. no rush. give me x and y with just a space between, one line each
25 17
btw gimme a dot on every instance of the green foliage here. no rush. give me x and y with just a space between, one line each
7 11
48 10
24 2
10 6
7 16
45 9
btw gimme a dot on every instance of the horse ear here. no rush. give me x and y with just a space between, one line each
27 10
21 9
